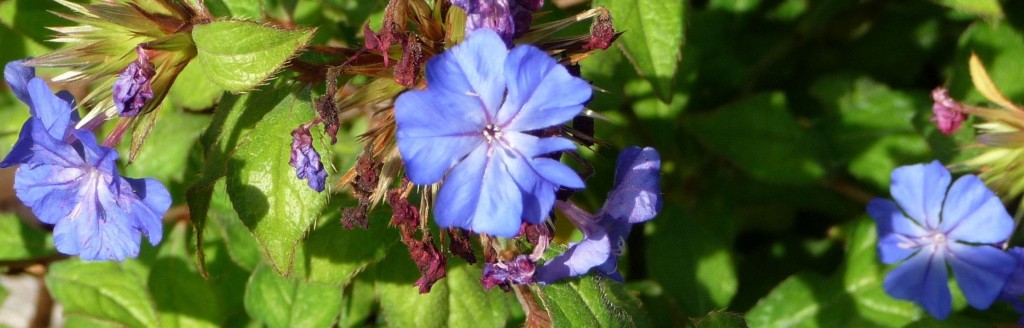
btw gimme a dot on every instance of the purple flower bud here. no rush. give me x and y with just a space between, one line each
133 88
510 18
602 32
306 160
519 271
949 115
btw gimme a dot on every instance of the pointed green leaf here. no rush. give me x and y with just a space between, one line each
591 301
653 38
240 55
20 241
276 206
105 291
281 302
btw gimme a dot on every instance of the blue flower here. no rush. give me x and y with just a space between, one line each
932 225
635 198
1014 288
70 181
306 160
472 123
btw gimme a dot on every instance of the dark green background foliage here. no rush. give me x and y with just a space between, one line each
777 120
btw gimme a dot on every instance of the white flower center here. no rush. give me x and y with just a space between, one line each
492 132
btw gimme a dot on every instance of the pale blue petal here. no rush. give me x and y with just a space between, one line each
147 201
479 195
53 111
972 213
102 158
891 248
472 68
980 271
636 195
922 279
555 172
17 77
591 252
920 190
428 158
51 191
538 195
541 93
426 113
22 150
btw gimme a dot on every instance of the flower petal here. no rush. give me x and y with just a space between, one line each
541 93
636 195
980 271
427 113
555 172
147 203
593 251
17 77
51 191
428 158
972 213
892 249
21 152
53 111
922 279
480 195
920 190
472 68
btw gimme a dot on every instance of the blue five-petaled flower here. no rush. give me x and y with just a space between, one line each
69 180
933 224
471 123
635 198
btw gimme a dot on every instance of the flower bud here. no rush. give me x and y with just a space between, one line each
949 115
306 160
133 89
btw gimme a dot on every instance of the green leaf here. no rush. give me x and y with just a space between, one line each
235 117
240 55
20 241
281 302
252 9
242 247
983 8
854 297
458 300
759 135
105 291
653 39
15 114
591 301
693 266
183 297
872 127
193 90
334 255
276 206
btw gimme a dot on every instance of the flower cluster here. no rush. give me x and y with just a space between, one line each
934 224
70 181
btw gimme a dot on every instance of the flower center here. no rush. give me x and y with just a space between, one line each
492 132
935 240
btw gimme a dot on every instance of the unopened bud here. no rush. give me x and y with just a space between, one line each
949 115
306 160
133 88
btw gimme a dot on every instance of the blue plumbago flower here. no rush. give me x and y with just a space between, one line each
68 180
509 18
133 87
635 198
306 160
933 224
471 123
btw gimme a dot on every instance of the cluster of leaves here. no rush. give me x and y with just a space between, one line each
777 121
